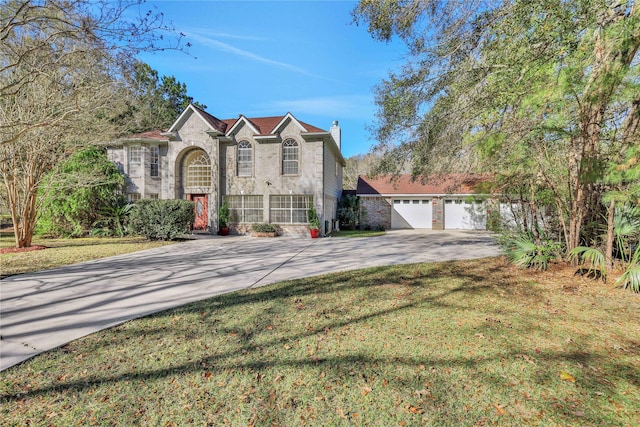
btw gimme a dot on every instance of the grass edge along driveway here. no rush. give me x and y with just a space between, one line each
454 343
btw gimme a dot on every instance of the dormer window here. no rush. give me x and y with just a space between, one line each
290 156
245 158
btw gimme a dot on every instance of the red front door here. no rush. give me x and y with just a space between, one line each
202 211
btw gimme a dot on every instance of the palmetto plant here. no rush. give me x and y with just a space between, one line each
113 218
626 229
631 277
523 251
592 258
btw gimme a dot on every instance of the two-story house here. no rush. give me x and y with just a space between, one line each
267 169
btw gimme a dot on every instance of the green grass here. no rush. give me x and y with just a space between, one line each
61 252
464 343
357 233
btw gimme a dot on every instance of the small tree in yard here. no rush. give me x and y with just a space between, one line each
78 192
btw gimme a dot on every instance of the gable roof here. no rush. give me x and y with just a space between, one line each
431 185
211 121
267 125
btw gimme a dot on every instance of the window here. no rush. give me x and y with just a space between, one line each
245 209
415 202
135 161
397 202
244 158
289 157
289 209
153 196
133 197
198 170
154 161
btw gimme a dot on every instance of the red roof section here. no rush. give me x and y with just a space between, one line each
266 124
406 184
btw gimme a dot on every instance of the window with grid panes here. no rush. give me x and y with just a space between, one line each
135 161
245 158
290 157
198 170
289 209
154 161
244 208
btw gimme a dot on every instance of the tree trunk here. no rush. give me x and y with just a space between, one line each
608 255
534 215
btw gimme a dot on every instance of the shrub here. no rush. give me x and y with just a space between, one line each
523 251
223 215
75 194
264 228
592 259
349 211
161 219
631 277
314 220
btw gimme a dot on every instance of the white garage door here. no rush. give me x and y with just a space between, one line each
411 213
463 214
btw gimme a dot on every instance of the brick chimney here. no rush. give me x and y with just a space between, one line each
336 133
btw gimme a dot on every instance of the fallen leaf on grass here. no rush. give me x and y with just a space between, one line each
565 376
499 409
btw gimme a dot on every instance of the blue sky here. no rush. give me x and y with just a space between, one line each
267 58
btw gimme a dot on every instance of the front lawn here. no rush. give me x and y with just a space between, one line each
357 233
61 252
455 343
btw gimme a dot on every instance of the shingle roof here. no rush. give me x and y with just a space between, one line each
152 134
266 124
213 121
405 184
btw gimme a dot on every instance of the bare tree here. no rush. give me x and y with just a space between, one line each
61 86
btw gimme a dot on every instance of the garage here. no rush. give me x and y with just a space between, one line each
411 213
464 214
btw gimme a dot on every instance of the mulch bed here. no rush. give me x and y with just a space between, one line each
14 250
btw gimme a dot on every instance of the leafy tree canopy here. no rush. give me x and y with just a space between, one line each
156 101
544 93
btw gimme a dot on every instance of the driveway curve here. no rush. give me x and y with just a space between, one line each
44 310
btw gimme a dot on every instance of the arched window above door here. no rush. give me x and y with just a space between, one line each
197 169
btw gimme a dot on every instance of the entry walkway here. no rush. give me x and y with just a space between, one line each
44 310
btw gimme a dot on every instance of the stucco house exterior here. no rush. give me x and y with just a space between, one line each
267 169
453 201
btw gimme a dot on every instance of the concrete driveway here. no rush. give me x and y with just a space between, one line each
44 310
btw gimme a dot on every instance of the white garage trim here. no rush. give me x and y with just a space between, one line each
464 214
412 212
